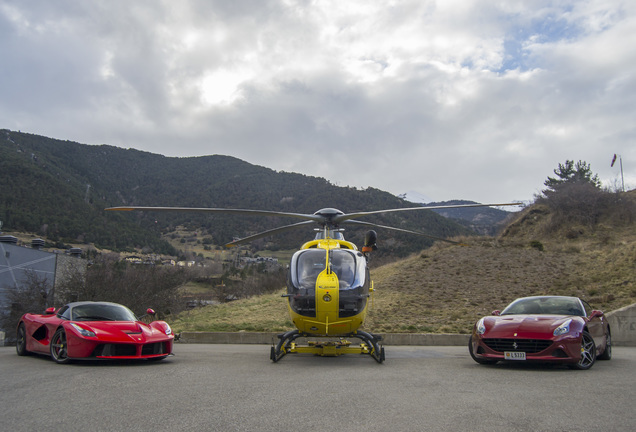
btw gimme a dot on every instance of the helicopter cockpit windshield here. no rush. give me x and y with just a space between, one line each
332 234
348 265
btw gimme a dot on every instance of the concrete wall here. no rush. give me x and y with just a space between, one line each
623 326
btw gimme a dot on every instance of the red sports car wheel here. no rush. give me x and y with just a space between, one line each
20 346
58 347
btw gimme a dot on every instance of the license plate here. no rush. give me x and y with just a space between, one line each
514 355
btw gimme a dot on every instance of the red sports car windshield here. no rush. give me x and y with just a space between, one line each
545 306
98 312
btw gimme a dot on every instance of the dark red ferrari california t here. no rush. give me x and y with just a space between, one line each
93 330
551 329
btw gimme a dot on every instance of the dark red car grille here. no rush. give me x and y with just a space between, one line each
525 345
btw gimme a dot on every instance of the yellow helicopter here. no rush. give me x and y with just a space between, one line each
328 283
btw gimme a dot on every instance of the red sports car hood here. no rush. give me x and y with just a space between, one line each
523 326
122 331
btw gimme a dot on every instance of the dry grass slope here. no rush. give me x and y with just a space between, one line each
445 289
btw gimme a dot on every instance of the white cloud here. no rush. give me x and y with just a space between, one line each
456 99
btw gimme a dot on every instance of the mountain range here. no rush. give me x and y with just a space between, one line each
59 189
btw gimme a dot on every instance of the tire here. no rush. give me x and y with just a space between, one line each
20 345
59 347
477 359
607 353
588 352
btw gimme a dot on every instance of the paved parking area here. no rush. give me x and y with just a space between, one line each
237 388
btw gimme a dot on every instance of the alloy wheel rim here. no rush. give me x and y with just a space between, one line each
59 346
21 338
587 351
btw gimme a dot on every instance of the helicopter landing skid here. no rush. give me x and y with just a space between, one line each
369 346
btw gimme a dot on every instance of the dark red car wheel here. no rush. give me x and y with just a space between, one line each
588 352
477 359
607 354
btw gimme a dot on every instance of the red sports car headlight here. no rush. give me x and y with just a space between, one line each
83 331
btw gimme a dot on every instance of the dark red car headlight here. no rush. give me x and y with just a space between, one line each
562 329
480 327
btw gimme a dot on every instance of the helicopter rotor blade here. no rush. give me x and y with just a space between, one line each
325 217
349 216
310 217
269 233
356 222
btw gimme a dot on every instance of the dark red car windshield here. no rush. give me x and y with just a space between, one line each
545 306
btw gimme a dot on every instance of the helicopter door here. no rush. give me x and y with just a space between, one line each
304 269
351 269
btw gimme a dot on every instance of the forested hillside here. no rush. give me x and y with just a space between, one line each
59 189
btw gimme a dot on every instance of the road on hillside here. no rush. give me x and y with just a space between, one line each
237 388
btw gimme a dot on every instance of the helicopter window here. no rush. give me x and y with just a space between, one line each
309 264
349 267
343 264
336 235
354 273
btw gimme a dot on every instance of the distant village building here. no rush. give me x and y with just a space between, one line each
269 263
133 259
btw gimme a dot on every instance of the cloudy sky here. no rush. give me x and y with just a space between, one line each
454 99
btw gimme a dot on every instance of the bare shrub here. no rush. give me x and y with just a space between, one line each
580 206
254 281
573 203
137 286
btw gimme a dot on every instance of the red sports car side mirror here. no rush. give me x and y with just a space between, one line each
496 312
150 311
49 311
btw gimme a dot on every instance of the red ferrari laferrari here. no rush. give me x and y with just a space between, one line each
93 330
551 329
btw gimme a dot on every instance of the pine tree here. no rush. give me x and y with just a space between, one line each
569 172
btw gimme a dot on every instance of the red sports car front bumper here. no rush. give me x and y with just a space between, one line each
80 347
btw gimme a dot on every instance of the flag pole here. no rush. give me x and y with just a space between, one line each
620 160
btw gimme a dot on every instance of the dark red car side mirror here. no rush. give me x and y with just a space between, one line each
596 313
496 312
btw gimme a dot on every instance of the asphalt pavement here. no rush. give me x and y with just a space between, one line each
237 388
